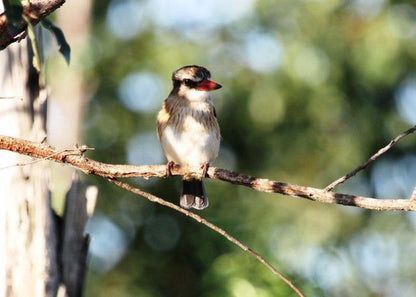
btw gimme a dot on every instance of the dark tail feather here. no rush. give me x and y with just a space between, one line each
193 194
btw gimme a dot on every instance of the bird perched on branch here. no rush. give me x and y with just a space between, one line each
188 129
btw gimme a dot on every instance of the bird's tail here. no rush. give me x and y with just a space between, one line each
193 194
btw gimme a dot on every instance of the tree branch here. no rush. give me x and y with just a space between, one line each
37 10
199 219
371 159
76 159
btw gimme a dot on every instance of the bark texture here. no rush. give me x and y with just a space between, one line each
26 220
41 254
37 10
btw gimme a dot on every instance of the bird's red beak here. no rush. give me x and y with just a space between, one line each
208 85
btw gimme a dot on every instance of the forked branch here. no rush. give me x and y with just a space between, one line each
76 158
381 151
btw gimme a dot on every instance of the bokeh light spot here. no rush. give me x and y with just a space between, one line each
144 148
312 65
242 288
406 100
367 8
370 250
125 19
401 19
108 243
199 15
266 106
394 178
141 92
264 52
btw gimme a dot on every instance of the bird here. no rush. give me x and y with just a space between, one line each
188 130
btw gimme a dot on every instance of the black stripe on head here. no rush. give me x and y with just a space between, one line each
202 72
190 75
190 83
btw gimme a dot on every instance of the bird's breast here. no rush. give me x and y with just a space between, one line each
193 139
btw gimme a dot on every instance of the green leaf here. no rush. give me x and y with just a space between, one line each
60 39
13 10
35 47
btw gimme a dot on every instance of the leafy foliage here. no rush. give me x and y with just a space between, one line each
37 59
13 10
63 45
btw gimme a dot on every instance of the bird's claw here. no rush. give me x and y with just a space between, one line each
169 167
204 168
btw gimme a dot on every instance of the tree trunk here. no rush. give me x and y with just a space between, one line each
27 231
40 253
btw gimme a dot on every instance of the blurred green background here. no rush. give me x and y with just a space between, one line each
311 89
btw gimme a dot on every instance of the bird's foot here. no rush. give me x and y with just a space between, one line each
204 168
169 167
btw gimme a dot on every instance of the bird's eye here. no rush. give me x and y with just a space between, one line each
190 83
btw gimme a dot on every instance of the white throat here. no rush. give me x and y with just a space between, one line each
195 95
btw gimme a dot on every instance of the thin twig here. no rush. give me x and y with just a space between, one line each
371 159
78 151
217 229
33 161
11 98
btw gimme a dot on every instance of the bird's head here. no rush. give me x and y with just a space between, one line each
193 82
